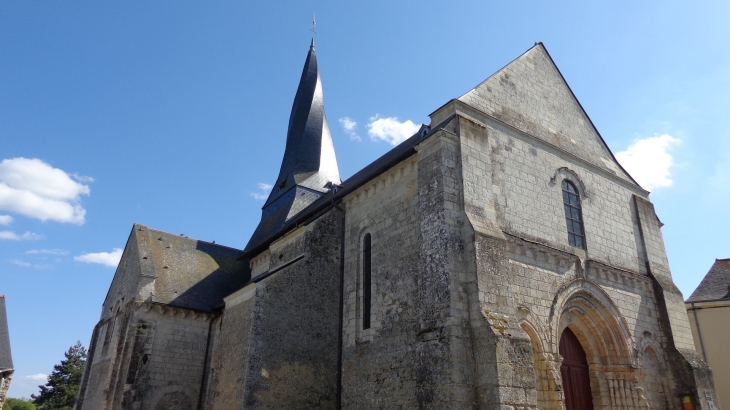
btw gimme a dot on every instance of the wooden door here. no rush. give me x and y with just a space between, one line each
574 371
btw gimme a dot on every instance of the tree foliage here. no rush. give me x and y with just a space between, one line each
18 404
59 393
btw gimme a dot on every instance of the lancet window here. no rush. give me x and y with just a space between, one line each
366 280
573 215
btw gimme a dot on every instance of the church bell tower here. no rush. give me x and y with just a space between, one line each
309 168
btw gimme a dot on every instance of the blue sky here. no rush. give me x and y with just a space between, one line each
174 114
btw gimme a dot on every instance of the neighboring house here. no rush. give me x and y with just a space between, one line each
500 258
6 359
709 316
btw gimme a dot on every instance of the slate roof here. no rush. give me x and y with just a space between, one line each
259 242
309 168
6 359
309 158
277 220
715 285
188 272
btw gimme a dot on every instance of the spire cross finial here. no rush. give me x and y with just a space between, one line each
314 24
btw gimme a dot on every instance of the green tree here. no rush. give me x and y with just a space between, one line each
60 391
18 404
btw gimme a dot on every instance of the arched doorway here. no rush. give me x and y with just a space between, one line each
574 372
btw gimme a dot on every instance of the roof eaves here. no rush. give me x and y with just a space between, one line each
377 167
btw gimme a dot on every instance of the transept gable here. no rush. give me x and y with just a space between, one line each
531 95
162 267
126 276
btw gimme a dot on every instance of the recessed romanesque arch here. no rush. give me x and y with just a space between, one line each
587 309
547 365
592 316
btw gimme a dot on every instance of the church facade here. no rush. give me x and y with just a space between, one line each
500 258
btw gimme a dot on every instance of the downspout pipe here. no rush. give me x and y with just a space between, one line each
207 360
699 332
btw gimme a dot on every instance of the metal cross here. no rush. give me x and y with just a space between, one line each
314 24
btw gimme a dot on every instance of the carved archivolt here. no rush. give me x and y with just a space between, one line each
599 325
550 394
567 173
591 314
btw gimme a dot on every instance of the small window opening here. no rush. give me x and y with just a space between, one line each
366 280
573 215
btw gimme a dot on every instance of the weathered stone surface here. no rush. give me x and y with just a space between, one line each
473 282
292 346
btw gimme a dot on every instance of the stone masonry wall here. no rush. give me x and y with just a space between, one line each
166 357
5 379
379 363
146 357
149 348
105 350
125 285
103 362
292 353
448 371
526 177
229 355
531 95
514 180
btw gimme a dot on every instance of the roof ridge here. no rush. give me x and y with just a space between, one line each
601 141
539 43
183 236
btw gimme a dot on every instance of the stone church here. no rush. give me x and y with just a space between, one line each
500 258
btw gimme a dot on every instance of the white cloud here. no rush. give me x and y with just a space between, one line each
35 189
46 252
31 381
265 189
6 219
82 178
37 377
649 162
12 236
349 125
24 386
104 258
25 264
390 129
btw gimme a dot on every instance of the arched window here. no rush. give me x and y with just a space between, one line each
366 280
573 217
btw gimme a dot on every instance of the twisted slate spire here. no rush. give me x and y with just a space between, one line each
309 159
309 168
